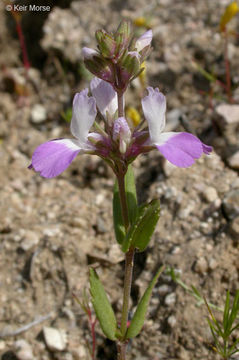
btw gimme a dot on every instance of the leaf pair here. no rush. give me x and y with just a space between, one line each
143 219
105 313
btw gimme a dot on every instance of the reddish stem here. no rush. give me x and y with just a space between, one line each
92 328
26 62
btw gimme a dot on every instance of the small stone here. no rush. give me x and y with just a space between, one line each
212 264
168 168
201 265
30 240
229 113
164 289
23 350
170 299
38 114
230 204
55 339
2 345
172 321
234 227
210 194
233 161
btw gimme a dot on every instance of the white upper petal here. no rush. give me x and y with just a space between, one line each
83 115
88 53
154 108
105 96
144 40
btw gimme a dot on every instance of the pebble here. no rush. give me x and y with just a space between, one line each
213 264
30 240
164 289
38 114
230 204
201 265
229 113
23 350
2 345
234 227
172 321
210 194
233 161
170 299
55 339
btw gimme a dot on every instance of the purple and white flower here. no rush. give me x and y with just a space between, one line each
181 148
53 157
144 40
120 142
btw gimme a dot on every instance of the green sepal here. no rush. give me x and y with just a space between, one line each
106 43
102 307
137 321
131 198
142 229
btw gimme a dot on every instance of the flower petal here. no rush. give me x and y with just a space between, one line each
181 149
53 157
105 96
154 108
89 53
144 40
83 115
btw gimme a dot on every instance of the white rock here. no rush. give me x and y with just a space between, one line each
201 265
170 299
30 240
55 339
172 321
210 194
230 113
233 161
38 114
23 350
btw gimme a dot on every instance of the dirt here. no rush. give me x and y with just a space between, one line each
52 230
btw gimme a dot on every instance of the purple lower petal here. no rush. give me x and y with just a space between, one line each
53 157
207 149
181 149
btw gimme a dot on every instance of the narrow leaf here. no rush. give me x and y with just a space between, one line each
142 230
131 198
102 307
140 313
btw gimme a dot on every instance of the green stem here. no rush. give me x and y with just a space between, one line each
129 256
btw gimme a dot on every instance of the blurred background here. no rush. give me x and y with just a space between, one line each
51 230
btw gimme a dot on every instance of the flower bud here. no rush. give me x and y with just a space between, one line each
106 44
129 66
123 36
231 10
122 133
100 67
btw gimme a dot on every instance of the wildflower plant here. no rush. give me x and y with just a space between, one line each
119 141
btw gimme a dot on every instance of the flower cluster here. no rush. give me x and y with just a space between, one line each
121 141
119 56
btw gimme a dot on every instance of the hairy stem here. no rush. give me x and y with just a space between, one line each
120 96
129 263
129 256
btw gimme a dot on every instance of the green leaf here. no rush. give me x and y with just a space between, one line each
102 307
131 198
142 230
138 319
